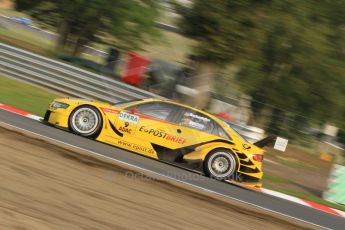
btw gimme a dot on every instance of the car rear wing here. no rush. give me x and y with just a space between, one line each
279 143
266 141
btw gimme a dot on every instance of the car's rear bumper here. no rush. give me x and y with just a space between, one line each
248 180
255 185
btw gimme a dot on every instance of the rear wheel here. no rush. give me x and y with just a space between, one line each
86 121
220 164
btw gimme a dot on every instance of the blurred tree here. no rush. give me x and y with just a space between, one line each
80 22
223 30
297 67
334 12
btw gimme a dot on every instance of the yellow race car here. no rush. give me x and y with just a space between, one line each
164 130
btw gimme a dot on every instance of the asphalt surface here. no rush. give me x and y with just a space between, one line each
264 201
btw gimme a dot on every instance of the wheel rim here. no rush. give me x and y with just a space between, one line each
85 120
222 164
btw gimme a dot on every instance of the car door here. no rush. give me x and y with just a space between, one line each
156 128
198 128
170 128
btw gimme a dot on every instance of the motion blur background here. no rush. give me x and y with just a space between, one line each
266 66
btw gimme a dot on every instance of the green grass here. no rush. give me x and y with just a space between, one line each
310 198
274 179
9 13
23 96
268 177
18 33
311 149
24 38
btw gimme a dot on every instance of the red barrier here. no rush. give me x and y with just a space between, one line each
226 116
136 65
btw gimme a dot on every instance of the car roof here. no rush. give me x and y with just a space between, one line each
219 121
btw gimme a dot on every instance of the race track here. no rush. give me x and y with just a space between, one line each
264 201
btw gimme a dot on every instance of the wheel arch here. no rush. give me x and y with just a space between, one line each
227 150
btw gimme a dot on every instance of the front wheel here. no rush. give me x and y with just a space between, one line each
85 121
220 165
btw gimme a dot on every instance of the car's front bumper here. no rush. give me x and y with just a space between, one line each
56 117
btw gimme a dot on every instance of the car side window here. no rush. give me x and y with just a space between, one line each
221 132
196 120
160 110
199 121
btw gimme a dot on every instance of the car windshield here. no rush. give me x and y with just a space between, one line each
123 104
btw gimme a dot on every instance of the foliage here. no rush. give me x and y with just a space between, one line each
224 32
80 22
223 28
290 53
298 66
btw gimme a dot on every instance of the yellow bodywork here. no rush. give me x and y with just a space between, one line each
140 136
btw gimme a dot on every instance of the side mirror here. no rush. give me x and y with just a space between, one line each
134 110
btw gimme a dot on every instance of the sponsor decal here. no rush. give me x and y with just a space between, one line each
135 147
125 128
162 134
129 117
246 146
197 117
195 125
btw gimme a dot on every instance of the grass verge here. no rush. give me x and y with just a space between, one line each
309 197
273 179
10 12
27 97
268 177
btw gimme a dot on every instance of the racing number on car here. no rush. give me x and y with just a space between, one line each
127 123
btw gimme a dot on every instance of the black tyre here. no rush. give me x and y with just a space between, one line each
220 164
85 121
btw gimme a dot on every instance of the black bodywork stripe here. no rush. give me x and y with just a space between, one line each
248 170
241 155
176 155
218 140
246 163
115 130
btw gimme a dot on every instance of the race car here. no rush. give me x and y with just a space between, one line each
164 130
